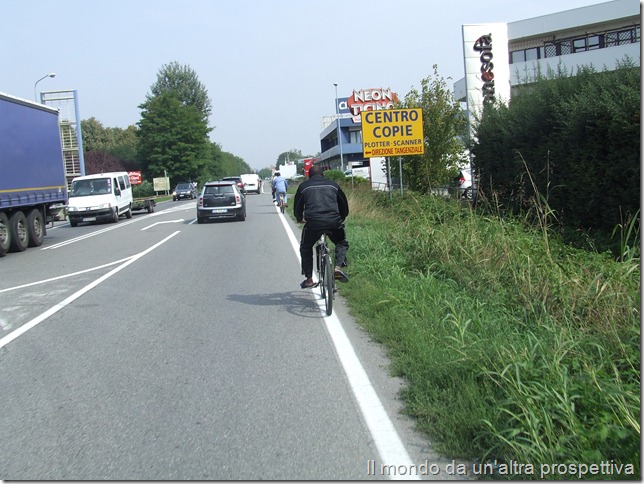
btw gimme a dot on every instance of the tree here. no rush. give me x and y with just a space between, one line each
173 139
184 83
173 130
108 149
444 128
290 156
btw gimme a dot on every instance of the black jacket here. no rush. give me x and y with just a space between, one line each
321 202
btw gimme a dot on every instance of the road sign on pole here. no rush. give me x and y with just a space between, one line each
392 132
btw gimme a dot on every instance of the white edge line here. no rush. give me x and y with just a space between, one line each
390 447
53 310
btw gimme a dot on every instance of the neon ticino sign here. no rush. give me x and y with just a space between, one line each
368 100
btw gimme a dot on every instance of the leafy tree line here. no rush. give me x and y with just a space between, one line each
171 136
569 145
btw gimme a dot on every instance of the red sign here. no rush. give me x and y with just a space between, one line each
135 177
308 163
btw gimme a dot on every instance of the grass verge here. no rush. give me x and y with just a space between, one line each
514 347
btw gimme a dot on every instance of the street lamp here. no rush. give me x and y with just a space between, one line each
51 74
337 113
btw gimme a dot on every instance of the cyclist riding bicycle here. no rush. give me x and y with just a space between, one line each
323 206
279 186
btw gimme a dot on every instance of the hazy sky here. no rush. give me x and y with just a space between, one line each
269 65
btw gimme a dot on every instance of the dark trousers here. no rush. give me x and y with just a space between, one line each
310 236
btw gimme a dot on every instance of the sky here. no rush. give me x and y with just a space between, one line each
269 66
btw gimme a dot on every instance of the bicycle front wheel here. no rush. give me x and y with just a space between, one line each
328 285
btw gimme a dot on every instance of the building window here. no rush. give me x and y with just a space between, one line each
355 137
531 54
565 47
550 50
517 56
576 45
622 37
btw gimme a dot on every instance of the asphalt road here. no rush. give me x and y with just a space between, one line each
160 349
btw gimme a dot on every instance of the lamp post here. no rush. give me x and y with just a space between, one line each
337 113
51 74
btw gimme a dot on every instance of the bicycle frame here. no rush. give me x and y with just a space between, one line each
326 279
280 202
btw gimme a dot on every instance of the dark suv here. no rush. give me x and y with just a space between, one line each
184 190
220 199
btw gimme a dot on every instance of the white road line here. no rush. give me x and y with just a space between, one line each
390 447
164 222
65 276
86 236
114 227
53 310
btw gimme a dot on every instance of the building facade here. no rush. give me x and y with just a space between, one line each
497 58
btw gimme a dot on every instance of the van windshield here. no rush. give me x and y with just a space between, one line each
87 188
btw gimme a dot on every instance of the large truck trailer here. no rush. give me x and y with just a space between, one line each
32 172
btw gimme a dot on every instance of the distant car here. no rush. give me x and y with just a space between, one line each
219 200
238 180
465 185
252 183
184 190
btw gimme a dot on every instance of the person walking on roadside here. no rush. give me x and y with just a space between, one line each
323 207
280 185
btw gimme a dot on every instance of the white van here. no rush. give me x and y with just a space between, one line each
93 198
252 182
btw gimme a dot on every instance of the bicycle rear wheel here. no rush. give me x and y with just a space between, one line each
321 259
328 285
281 203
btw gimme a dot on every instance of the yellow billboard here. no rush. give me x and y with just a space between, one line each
392 132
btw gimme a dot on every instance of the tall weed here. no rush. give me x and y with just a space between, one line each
513 347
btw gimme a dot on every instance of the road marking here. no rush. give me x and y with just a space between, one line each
390 447
114 227
87 236
65 276
53 310
164 222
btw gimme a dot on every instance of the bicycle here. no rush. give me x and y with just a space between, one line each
326 277
280 202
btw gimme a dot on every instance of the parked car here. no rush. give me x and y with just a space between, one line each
466 186
221 199
238 180
184 190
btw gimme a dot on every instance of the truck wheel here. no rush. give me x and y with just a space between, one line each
73 222
19 232
5 240
150 207
115 215
36 228
128 214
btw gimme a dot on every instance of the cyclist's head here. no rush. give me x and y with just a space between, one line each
315 170
277 173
